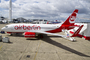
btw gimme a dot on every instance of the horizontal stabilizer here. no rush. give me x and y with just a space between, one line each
77 32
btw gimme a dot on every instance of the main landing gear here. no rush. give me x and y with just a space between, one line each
40 36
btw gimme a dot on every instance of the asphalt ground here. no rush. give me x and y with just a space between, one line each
49 48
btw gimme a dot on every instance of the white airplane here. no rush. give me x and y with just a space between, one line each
31 30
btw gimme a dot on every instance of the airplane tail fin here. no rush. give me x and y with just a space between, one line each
71 19
77 32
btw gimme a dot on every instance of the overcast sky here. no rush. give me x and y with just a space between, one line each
46 9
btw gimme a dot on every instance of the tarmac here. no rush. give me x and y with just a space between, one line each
49 48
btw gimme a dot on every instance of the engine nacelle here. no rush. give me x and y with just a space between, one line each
29 35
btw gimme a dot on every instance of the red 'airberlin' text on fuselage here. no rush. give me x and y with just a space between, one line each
24 27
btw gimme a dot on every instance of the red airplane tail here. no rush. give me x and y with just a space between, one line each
68 24
71 19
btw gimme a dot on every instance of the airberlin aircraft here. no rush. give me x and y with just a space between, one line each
30 30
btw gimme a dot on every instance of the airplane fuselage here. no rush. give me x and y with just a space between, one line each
30 27
30 30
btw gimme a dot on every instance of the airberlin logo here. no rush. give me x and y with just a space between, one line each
72 19
24 27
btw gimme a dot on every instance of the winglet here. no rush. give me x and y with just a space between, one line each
77 32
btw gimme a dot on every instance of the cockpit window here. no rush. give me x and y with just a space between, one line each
6 26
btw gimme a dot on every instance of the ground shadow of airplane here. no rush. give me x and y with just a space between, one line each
48 40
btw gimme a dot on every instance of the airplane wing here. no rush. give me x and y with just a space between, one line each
66 37
43 32
51 34
74 35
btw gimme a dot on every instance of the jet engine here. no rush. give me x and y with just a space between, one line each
29 35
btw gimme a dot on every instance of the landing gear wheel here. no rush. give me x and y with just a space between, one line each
11 34
40 36
73 40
